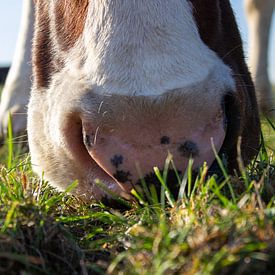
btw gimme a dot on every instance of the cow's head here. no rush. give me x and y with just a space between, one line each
119 84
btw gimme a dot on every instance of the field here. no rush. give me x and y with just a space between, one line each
215 225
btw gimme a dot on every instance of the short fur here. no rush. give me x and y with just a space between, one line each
145 48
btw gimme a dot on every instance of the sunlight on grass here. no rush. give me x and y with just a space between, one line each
213 225
269 133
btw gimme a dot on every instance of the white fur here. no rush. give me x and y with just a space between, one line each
16 91
145 48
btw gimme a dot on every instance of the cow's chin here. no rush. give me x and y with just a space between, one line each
120 139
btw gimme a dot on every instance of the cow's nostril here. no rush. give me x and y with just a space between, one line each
123 176
164 140
87 141
189 149
117 160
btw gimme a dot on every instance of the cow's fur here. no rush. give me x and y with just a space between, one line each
122 60
117 64
16 92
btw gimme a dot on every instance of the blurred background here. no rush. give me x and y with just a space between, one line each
10 13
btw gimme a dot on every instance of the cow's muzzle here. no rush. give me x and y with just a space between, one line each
135 136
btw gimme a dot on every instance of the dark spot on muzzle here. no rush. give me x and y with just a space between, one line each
87 141
189 149
117 160
123 176
165 140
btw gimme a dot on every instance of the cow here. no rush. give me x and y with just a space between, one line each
259 15
118 85
16 91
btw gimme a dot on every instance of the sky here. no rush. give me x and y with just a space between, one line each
10 12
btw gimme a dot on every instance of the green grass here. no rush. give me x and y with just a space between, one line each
217 227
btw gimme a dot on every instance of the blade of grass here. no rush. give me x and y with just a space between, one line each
154 194
189 176
9 216
183 184
175 171
199 181
10 143
166 190
270 123
166 166
241 164
112 194
144 185
263 150
71 187
225 174
216 189
138 197
220 163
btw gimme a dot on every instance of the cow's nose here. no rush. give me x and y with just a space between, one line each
131 149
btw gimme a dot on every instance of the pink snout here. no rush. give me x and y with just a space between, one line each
130 149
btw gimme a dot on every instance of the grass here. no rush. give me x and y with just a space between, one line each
212 229
217 226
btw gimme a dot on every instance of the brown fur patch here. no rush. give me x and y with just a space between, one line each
249 129
42 46
218 29
65 29
70 19
208 18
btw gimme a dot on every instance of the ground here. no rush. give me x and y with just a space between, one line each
214 226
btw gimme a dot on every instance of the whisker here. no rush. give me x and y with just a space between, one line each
16 113
232 50
19 137
96 133
100 106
